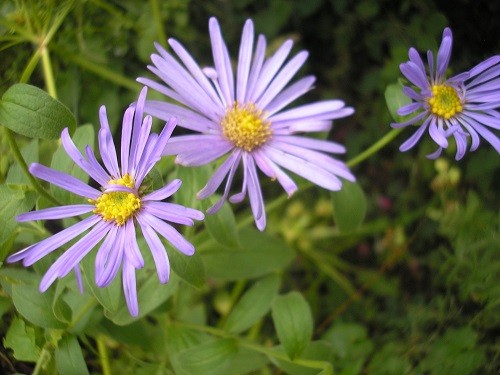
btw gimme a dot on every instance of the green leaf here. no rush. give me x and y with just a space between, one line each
318 353
293 322
32 112
69 357
395 99
5 303
84 135
221 225
36 307
193 180
259 255
209 358
21 340
349 206
253 305
13 201
30 155
151 294
189 268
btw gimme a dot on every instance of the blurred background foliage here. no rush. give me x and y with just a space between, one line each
416 288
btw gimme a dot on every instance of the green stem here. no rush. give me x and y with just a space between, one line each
155 9
103 356
374 148
22 163
47 72
42 359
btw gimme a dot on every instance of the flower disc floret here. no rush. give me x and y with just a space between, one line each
118 205
445 101
245 126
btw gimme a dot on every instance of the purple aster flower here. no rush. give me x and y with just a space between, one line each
116 209
464 105
242 115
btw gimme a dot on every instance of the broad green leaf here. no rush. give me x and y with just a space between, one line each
293 322
395 99
193 180
349 206
222 224
318 353
189 268
5 303
13 201
69 357
83 136
31 112
245 362
253 305
30 155
209 358
36 307
21 340
151 294
259 255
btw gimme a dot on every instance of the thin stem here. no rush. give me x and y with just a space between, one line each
47 72
155 9
42 359
374 148
22 163
103 356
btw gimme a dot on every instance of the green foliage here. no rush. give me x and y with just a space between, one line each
30 111
395 274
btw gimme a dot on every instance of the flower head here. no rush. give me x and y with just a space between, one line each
463 106
115 210
242 115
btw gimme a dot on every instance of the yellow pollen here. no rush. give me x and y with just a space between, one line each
445 101
117 205
246 126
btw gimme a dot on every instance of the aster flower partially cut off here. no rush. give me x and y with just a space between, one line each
115 210
242 116
464 106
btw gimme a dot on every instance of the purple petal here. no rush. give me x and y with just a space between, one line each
411 121
218 176
221 61
414 75
254 192
244 61
185 144
409 108
173 212
217 206
288 95
412 141
158 251
310 110
130 287
64 181
163 192
53 213
185 117
198 157
127 123
132 251
71 257
78 277
111 264
282 79
106 144
37 251
443 56
313 144
285 181
257 63
435 154
97 174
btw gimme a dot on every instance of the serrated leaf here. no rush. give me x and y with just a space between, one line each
259 255
69 357
22 341
209 358
222 224
293 322
36 307
253 305
395 99
349 206
30 111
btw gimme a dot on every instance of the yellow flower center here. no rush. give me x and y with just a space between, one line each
117 205
245 126
445 101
